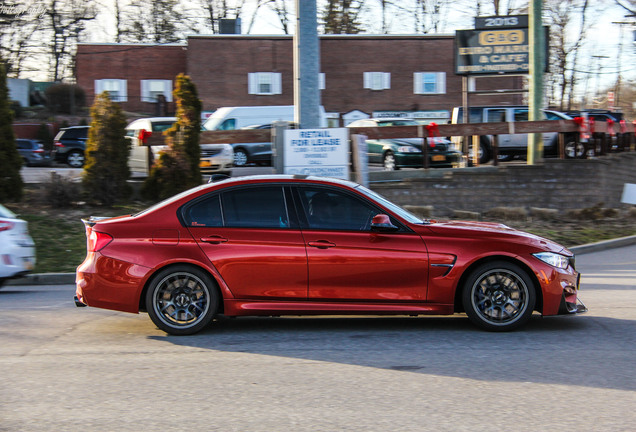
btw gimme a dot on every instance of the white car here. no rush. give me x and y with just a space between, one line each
215 158
17 250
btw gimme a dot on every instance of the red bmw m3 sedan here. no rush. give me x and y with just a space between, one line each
295 245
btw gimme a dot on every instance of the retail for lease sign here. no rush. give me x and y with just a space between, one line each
317 152
492 51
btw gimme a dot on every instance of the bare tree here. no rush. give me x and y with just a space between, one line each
65 22
18 24
342 16
430 15
561 17
283 12
156 21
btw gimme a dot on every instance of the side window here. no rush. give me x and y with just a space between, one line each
229 124
521 115
255 207
335 210
206 213
496 116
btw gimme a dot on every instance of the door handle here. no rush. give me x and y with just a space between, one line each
214 239
321 244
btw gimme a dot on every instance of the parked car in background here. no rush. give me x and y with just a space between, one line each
17 250
597 114
258 153
297 245
510 145
69 145
32 152
394 154
215 158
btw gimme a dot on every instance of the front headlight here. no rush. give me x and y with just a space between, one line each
553 259
409 149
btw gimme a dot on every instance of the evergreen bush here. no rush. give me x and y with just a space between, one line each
106 165
177 168
10 160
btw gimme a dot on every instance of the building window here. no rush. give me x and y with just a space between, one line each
322 81
429 82
151 89
264 83
377 80
116 88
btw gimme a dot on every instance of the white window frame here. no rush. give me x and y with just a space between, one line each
146 85
256 79
121 85
377 80
437 79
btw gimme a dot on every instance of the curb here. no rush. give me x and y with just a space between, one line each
604 245
69 278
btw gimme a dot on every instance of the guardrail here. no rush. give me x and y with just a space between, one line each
598 141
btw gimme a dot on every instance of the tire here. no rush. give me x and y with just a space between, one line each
182 300
240 157
388 162
574 151
484 152
499 296
75 159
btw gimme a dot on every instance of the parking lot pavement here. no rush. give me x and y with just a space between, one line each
68 368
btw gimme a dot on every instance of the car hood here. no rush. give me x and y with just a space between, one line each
494 231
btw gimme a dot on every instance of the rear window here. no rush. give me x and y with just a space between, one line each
73 133
161 126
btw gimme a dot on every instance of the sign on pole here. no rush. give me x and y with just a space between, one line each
317 152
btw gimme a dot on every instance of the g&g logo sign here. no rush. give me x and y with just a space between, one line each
502 37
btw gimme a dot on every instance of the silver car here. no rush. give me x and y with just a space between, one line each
17 250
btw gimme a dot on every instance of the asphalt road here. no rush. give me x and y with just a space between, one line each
68 369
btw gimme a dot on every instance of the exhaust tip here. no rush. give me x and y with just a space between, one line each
78 303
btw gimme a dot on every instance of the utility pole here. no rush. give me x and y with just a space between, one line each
306 66
537 62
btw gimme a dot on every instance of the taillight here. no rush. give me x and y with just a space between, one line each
58 144
38 151
97 241
5 225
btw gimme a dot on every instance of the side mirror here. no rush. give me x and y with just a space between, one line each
382 223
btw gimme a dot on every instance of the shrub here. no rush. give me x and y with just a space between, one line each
106 165
65 98
60 191
177 168
10 160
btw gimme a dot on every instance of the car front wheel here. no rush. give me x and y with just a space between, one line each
499 296
240 157
75 159
182 300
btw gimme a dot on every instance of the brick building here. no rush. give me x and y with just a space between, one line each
410 75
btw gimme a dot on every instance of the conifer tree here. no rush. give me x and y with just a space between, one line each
106 165
10 160
177 168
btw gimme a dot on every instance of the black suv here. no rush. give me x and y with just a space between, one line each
69 145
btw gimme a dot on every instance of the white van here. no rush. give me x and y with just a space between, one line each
230 118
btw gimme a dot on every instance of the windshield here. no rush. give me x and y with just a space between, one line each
404 214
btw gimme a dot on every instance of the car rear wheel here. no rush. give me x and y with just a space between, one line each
75 159
240 157
499 296
388 162
182 300
574 149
